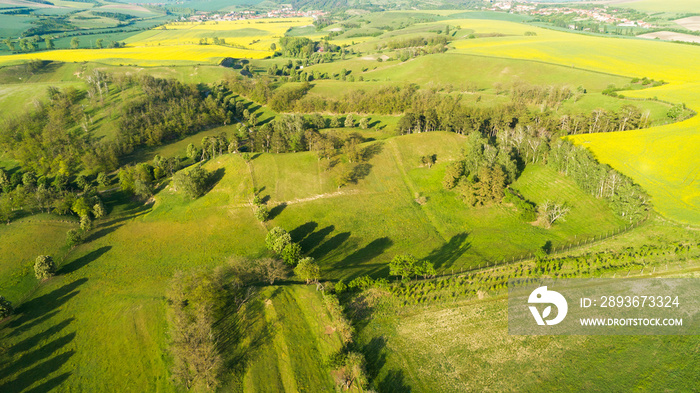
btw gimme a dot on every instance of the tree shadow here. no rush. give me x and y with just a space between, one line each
394 382
372 150
36 355
375 355
372 250
44 304
277 210
84 260
302 231
446 255
360 171
214 179
28 377
50 384
30 342
329 245
315 238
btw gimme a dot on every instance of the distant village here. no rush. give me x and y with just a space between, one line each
284 11
600 15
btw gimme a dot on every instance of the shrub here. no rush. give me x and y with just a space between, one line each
5 308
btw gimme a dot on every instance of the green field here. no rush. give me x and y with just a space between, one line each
462 344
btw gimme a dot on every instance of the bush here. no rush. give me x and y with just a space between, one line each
74 237
262 213
193 183
44 267
5 308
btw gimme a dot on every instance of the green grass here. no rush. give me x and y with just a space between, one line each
22 242
294 353
464 345
14 25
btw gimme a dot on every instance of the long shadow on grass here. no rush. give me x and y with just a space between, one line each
45 304
394 382
277 210
372 250
34 356
329 245
302 231
445 256
84 260
375 354
28 377
313 239
50 384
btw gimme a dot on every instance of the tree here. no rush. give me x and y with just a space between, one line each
83 182
193 182
270 269
102 179
192 151
81 207
364 123
277 239
455 171
551 212
99 209
49 43
10 44
75 43
352 373
261 212
402 265
74 237
5 308
349 121
99 43
44 267
291 253
429 160
85 224
307 270
425 269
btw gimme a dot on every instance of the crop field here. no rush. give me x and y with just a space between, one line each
256 35
176 44
146 56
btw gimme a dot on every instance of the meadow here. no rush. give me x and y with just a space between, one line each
112 287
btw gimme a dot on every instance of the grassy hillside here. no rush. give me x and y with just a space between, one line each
107 302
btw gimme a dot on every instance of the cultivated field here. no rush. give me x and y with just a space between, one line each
671 36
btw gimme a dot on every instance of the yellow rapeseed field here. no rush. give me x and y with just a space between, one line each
179 43
256 34
147 56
